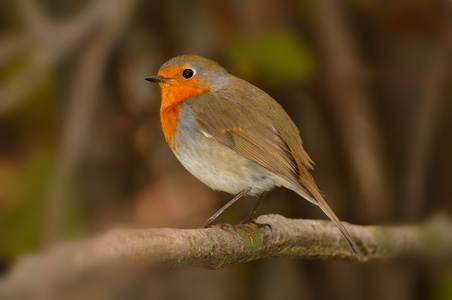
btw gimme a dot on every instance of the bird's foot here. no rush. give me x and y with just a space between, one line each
253 221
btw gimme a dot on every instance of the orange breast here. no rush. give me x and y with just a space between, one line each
173 94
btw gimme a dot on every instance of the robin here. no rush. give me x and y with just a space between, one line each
233 136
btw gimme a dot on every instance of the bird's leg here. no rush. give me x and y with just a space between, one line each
251 215
209 221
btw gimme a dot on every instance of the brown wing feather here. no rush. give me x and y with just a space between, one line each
261 143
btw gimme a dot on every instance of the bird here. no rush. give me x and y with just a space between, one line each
233 136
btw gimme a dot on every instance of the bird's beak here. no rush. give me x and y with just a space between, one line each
157 79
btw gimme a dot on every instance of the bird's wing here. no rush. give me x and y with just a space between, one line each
237 127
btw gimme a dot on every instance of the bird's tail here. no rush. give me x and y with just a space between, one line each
318 199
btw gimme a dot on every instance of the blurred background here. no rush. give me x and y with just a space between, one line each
369 84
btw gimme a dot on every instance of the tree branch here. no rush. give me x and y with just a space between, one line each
226 245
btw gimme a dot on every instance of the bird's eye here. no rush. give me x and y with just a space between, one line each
188 73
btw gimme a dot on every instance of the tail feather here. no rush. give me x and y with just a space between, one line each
329 212
317 199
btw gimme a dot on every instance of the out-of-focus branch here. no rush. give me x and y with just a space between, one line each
423 132
225 246
112 17
45 42
348 98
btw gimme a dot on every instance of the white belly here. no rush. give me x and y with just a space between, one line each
222 168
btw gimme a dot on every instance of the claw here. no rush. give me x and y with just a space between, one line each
258 225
